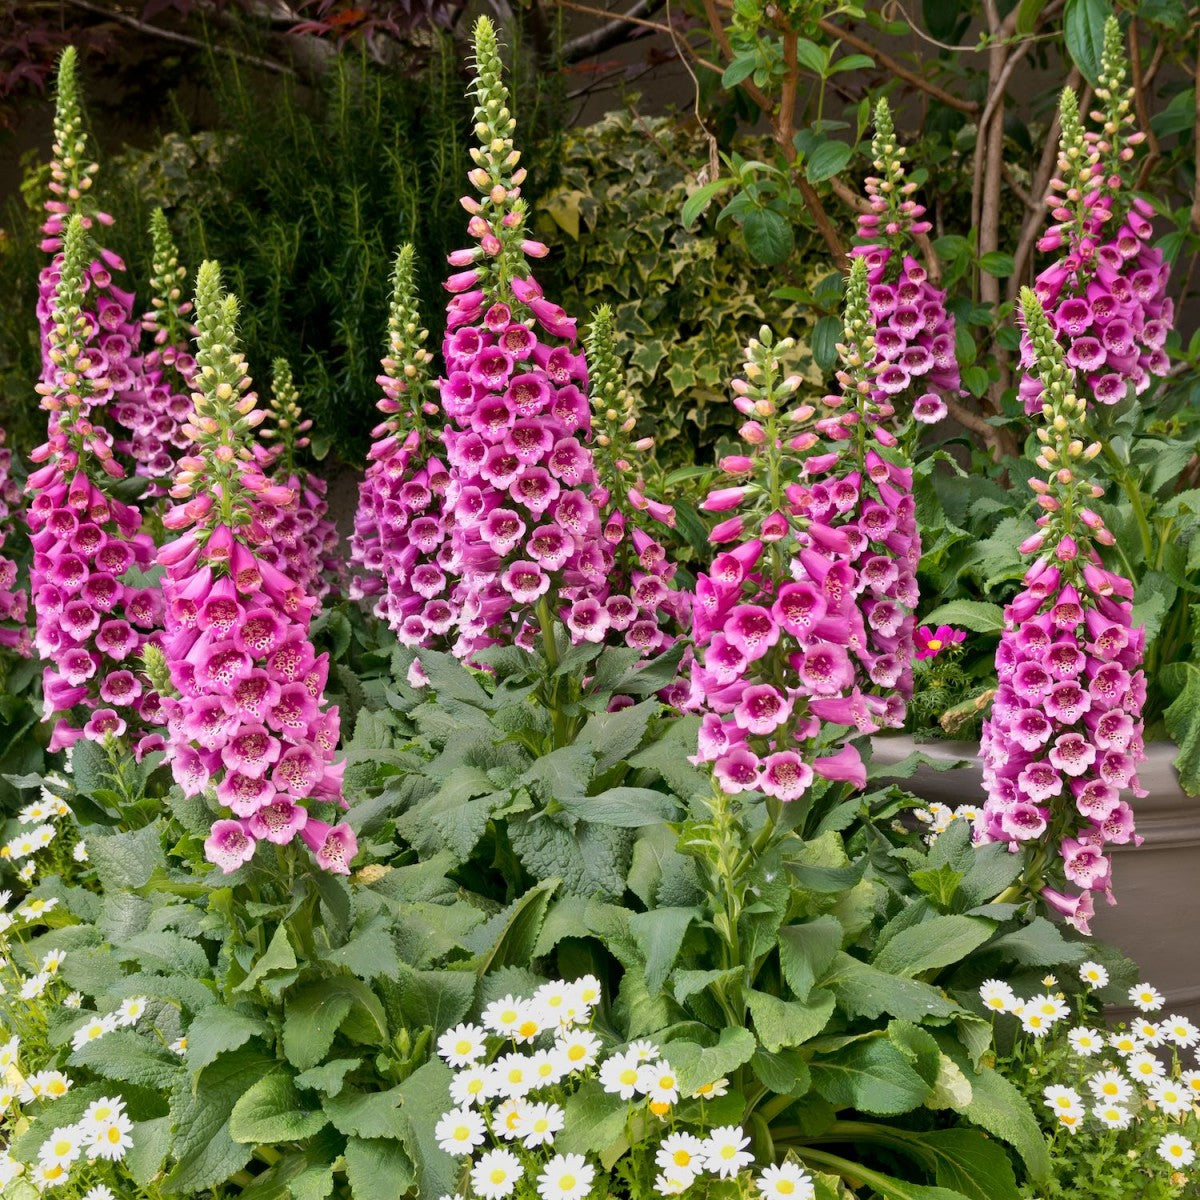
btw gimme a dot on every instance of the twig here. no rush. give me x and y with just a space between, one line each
169 35
605 37
787 101
657 26
1196 193
972 421
1139 101
898 69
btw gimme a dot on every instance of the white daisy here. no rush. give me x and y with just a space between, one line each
1191 1081
99 1192
1146 997
111 1140
92 1031
1144 1068
658 1083
1085 1041
131 1011
724 1152
680 1152
462 1045
503 1016
547 1067
62 1147
35 985
48 1175
644 1051
619 1075
712 1091
495 1175
79 852
512 1075
1181 1031
1150 1032
1126 1043
459 1131
1110 1086
1053 1008
541 1122
566 1177
33 909
1062 1099
787 1181
52 960
580 1048
508 1119
1112 1115
8 1053
1176 1150
997 995
178 1046
472 1085
673 1183
100 1112
1172 1097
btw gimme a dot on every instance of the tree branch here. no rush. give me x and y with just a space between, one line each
170 35
614 33
898 69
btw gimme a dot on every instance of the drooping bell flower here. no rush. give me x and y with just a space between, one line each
803 623
402 524
1064 739
91 625
303 541
113 331
1106 294
914 359
167 368
248 723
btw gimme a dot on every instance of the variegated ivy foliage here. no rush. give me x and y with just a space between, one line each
614 223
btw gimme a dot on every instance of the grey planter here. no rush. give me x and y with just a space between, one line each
1156 920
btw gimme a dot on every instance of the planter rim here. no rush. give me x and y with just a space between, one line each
1167 813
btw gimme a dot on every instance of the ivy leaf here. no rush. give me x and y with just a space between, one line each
768 236
1083 32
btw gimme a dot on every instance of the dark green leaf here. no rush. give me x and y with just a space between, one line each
768 236
1083 31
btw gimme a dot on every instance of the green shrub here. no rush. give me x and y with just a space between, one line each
684 300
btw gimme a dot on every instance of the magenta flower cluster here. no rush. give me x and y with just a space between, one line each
14 597
514 536
1065 735
914 333
248 719
91 624
301 539
400 523
805 626
1106 296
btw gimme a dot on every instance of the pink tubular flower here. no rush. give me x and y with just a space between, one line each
1106 295
83 541
803 623
914 364
248 719
14 599
1065 731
